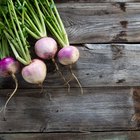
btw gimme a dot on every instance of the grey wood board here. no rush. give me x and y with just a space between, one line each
131 135
101 22
99 109
95 1
99 65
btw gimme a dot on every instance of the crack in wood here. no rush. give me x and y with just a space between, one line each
121 81
122 6
120 37
117 51
124 23
136 97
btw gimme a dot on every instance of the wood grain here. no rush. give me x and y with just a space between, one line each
99 65
101 22
131 135
99 109
109 74
95 1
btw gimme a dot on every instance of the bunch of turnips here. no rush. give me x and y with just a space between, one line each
35 18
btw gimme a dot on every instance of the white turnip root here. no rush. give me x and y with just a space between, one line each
46 48
35 72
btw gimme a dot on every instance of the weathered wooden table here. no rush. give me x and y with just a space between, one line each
107 33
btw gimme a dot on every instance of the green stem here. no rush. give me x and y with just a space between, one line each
5 47
13 42
55 33
29 22
27 19
21 34
61 23
41 18
1 49
46 14
13 45
32 33
17 35
52 15
9 28
17 22
36 20
20 59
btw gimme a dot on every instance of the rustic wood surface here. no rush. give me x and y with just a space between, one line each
107 33
99 109
74 136
99 65
95 1
101 22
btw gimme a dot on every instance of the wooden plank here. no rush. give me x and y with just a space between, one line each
101 22
131 135
99 65
94 1
99 109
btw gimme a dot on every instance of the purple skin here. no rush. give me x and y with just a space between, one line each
46 48
8 66
68 55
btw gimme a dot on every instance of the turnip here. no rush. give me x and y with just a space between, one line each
8 66
35 75
20 47
68 55
45 47
35 70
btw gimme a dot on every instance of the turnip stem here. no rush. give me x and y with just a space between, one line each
61 24
17 55
19 35
29 21
41 18
15 30
55 33
3 46
36 20
35 23
20 31
9 28
48 6
15 48
32 33
15 35
53 20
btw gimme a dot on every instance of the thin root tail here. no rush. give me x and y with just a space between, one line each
81 88
12 94
62 76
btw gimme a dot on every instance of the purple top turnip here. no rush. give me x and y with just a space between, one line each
46 48
35 70
68 55
8 66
